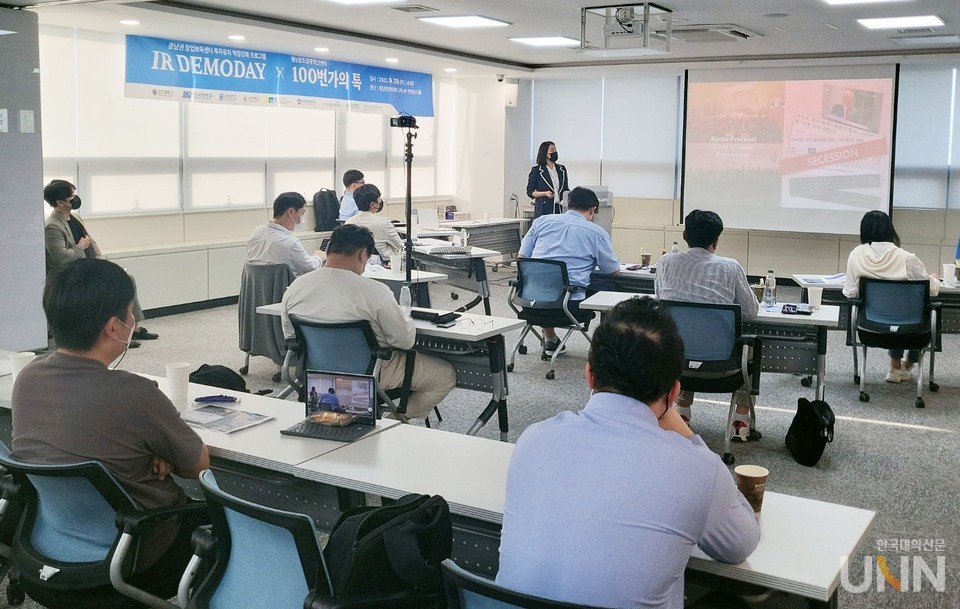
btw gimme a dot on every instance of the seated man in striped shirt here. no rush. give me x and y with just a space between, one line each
700 275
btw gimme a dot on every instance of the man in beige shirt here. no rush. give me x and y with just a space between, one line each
385 236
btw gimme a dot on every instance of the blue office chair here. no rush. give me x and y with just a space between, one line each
349 347
715 360
262 284
262 558
468 591
79 536
540 295
895 315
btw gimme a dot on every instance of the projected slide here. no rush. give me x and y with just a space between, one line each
807 155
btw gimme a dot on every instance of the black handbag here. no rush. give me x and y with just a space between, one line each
394 548
811 429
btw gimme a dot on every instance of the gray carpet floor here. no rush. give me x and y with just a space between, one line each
888 456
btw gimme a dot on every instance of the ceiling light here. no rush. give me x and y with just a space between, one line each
129 22
6 32
392 60
449 70
901 23
549 41
842 2
366 1
464 21
321 49
237 37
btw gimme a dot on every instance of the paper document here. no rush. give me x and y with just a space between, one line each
220 418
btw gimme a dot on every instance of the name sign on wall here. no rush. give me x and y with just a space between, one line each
158 68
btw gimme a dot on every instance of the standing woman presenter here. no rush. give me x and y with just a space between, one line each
547 181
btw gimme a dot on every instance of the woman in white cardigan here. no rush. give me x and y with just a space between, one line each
880 256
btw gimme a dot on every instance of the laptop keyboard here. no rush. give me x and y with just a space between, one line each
309 429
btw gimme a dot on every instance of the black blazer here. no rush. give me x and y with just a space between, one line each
539 179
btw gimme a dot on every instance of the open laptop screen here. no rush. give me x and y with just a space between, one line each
354 394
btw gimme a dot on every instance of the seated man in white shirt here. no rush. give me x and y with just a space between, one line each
275 243
352 180
604 506
385 236
339 293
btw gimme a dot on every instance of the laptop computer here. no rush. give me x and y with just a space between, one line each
345 403
427 217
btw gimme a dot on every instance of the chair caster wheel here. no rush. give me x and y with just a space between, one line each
15 594
920 403
727 458
806 381
454 296
277 377
244 370
522 350
544 357
496 269
550 375
934 387
864 397
754 435
509 367
856 379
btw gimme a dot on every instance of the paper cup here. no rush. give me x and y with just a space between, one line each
396 263
178 380
752 481
758 292
950 274
19 361
645 259
486 217
815 297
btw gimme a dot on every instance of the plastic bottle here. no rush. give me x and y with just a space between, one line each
675 249
463 237
405 300
770 290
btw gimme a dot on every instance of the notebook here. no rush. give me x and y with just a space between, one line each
347 403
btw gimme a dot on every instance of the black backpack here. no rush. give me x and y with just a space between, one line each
218 376
811 429
394 548
326 210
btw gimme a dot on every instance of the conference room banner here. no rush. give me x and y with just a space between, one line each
159 68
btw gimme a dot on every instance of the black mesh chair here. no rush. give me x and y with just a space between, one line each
258 557
895 315
262 284
715 360
468 591
348 347
540 296
79 536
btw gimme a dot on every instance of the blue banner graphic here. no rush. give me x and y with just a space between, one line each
174 69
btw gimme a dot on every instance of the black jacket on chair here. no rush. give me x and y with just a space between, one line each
539 179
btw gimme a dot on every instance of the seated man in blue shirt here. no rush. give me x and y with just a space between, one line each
604 506
573 238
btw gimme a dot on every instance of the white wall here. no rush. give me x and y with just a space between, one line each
478 155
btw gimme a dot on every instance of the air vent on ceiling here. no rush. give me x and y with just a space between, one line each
414 8
717 32
917 30
919 41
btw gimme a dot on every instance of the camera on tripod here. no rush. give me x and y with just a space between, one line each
404 121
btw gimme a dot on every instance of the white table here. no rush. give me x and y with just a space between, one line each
802 541
466 271
785 348
500 234
476 347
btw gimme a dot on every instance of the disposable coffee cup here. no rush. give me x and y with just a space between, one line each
178 380
19 361
949 274
486 217
814 297
758 291
396 263
752 481
645 259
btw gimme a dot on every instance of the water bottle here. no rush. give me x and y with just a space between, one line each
770 290
675 249
405 300
463 237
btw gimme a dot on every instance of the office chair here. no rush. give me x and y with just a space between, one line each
263 558
349 347
262 284
715 360
468 591
79 536
540 295
895 315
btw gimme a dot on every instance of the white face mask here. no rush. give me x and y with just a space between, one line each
126 345
299 224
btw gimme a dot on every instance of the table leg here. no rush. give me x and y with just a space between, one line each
496 348
483 285
821 360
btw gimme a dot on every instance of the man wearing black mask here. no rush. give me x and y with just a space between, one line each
66 239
